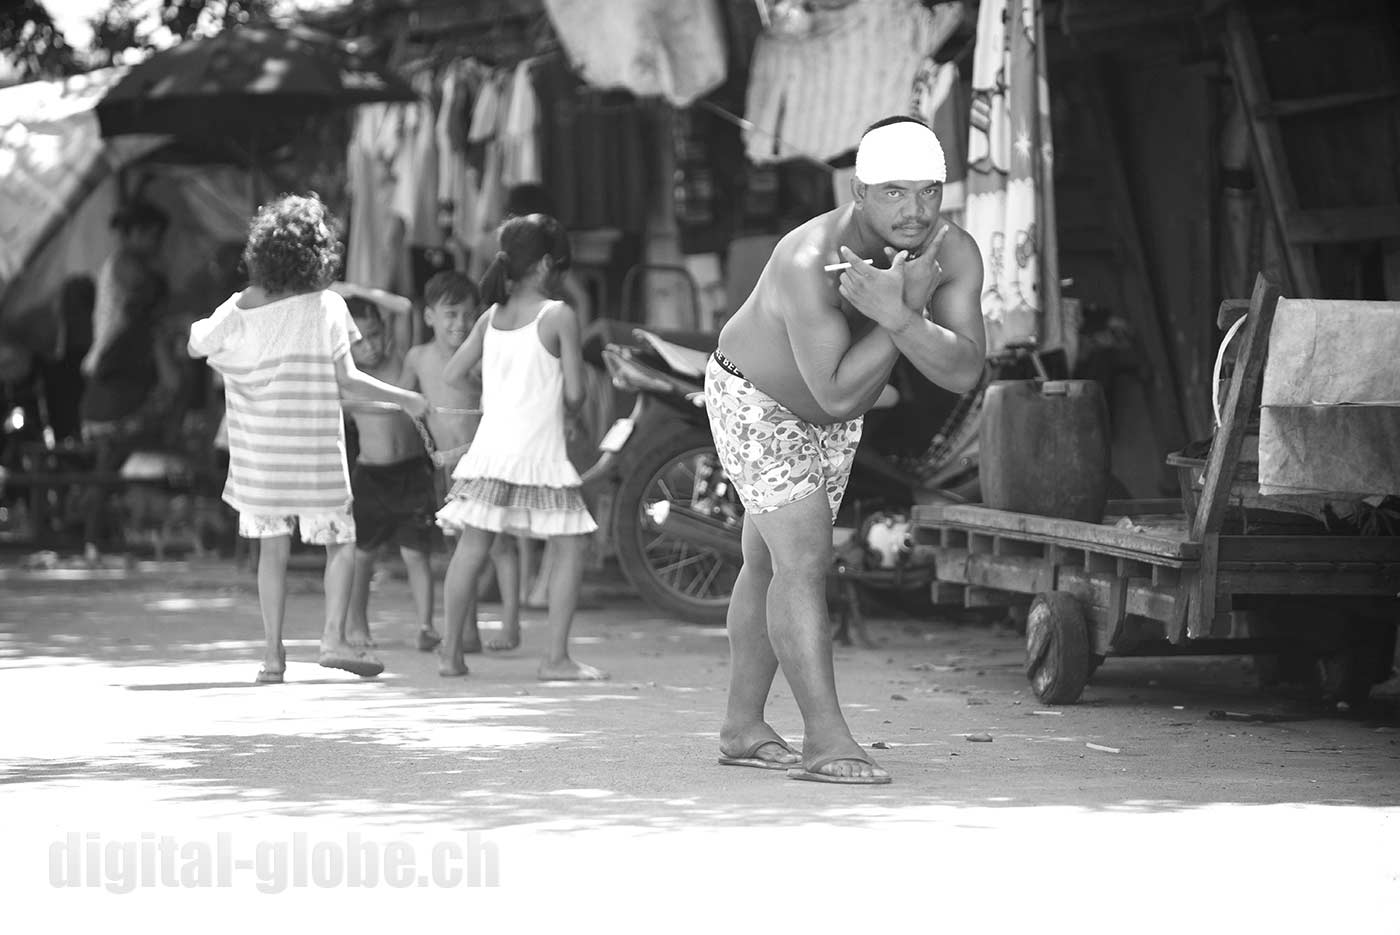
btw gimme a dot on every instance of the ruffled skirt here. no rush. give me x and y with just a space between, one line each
528 499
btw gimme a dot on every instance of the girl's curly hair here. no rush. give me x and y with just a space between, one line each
292 246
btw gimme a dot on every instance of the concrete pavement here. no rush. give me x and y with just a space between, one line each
132 734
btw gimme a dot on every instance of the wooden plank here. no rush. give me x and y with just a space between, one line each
1181 608
1361 581
942 592
1278 190
1229 436
1200 618
1343 225
989 597
951 564
1008 573
1171 546
1237 550
1309 105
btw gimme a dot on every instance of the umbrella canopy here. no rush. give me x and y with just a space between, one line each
243 82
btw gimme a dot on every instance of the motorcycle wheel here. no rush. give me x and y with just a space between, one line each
676 577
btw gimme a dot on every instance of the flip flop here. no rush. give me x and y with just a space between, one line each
751 758
363 665
811 774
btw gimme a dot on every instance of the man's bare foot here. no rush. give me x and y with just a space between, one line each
842 761
567 670
509 639
756 745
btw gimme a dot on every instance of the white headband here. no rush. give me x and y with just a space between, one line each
903 151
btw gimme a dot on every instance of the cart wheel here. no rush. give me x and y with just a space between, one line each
1057 648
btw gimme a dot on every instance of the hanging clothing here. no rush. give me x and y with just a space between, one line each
598 154
813 97
519 131
649 47
457 179
416 168
1010 195
940 100
373 161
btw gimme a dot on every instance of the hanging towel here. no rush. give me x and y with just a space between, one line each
1330 405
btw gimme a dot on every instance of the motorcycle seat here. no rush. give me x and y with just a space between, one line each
684 361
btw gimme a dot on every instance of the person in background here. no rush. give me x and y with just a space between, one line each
530 198
131 376
283 347
452 303
392 480
516 477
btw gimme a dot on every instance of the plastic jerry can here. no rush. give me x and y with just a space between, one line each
1044 448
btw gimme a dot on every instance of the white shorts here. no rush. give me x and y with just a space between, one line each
333 528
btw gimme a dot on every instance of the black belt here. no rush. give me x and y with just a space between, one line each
727 366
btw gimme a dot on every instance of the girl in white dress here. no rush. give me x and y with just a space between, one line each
516 477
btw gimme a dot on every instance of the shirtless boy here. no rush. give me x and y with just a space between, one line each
798 365
392 480
451 301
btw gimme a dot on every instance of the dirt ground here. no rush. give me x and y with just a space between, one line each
130 722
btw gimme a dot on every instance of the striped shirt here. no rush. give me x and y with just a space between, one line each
286 437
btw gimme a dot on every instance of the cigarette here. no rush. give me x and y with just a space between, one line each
833 267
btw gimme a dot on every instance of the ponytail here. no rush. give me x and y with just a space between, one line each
495 282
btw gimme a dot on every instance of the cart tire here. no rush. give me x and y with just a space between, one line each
1057 648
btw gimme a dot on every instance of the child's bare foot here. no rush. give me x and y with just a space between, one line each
509 639
346 657
567 670
360 641
428 639
274 667
452 668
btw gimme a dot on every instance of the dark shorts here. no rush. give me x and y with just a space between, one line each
394 503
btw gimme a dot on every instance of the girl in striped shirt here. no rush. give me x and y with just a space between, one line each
283 348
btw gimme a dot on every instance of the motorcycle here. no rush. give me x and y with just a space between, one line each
674 519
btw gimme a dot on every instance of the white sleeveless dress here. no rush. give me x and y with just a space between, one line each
517 477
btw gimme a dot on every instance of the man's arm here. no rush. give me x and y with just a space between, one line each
949 346
839 373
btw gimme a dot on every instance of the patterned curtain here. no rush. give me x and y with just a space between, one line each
1010 203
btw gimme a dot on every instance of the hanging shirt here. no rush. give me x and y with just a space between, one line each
815 96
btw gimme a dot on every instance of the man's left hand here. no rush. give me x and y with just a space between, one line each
923 274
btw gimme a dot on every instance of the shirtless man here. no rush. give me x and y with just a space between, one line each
392 480
797 367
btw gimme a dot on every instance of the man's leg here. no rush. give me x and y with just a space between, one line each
798 536
752 662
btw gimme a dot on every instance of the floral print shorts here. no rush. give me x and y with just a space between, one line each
772 456
336 527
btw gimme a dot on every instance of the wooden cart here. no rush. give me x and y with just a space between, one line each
1155 580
